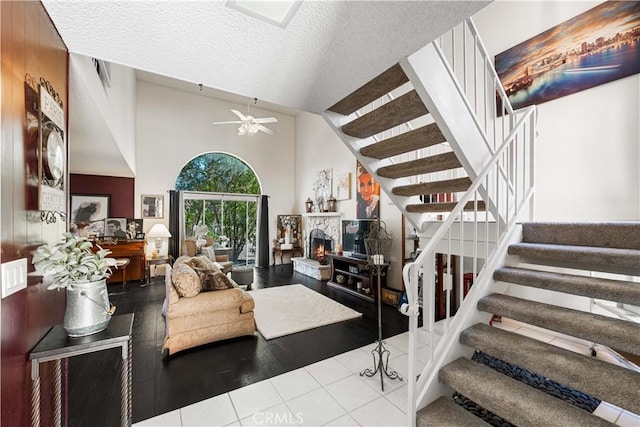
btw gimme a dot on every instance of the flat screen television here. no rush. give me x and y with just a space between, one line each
353 233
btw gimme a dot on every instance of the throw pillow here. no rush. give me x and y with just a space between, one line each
182 260
186 281
215 281
209 252
203 262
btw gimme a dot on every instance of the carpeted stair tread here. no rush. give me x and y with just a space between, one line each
435 187
621 235
422 137
595 377
586 257
515 402
384 83
592 287
444 412
442 207
437 163
401 110
604 330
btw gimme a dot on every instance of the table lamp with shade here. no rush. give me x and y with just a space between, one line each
159 232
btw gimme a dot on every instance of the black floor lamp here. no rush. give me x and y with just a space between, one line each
378 245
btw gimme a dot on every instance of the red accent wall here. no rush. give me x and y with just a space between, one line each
122 191
30 45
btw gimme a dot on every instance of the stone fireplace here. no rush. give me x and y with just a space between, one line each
321 233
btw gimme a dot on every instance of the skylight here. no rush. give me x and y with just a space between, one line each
277 12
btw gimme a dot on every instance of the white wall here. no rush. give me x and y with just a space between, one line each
173 127
588 143
318 147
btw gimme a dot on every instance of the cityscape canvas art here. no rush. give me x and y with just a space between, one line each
593 48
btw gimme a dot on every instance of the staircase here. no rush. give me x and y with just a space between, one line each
609 247
401 145
450 152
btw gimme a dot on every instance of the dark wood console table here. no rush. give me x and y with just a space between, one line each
293 251
354 270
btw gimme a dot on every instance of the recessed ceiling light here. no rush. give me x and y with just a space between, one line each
277 12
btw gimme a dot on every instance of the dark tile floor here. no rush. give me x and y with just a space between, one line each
162 383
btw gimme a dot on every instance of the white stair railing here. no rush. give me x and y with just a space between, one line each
513 192
507 179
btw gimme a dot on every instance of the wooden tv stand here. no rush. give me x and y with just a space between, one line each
354 270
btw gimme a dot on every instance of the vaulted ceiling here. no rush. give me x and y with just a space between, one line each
328 49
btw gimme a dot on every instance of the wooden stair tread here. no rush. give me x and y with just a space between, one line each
384 83
422 137
604 330
600 379
446 186
437 163
401 110
510 399
443 207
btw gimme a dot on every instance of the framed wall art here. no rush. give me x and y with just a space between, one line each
88 212
593 48
342 186
152 206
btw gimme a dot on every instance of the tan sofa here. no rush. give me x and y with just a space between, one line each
205 318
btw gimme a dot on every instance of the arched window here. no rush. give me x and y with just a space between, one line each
219 201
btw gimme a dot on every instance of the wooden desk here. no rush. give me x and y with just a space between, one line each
293 251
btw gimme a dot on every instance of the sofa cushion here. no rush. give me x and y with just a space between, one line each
207 302
186 281
215 280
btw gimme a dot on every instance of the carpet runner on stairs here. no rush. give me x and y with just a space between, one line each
595 247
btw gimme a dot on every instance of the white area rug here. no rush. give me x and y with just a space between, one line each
284 310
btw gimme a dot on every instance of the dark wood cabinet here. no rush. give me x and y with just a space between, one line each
135 251
347 272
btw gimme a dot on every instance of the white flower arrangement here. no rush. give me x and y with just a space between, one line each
289 221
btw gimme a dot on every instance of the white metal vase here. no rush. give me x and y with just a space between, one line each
88 309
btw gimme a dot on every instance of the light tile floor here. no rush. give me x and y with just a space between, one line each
332 393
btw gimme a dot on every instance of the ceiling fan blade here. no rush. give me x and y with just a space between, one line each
267 120
226 123
265 129
240 115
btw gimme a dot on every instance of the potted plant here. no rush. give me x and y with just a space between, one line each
72 264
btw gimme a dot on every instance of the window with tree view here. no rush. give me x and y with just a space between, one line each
220 194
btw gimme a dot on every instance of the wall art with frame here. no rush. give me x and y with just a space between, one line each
88 212
152 206
590 49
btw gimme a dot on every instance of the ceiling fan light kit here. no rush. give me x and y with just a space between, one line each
250 125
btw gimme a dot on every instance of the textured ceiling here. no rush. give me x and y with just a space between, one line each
329 48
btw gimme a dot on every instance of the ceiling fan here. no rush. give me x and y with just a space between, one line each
250 125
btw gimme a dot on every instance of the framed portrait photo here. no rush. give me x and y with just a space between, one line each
115 228
152 206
